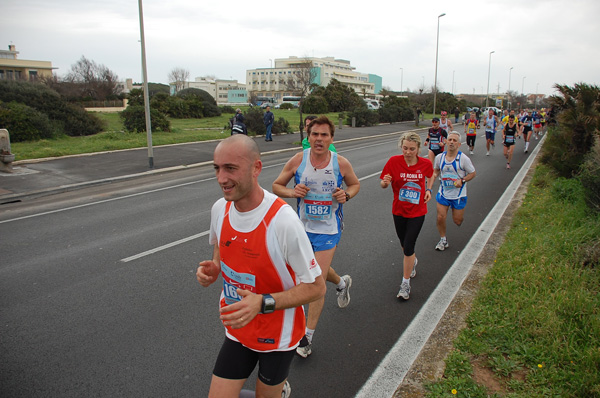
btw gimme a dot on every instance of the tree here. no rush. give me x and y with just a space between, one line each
89 79
300 83
179 77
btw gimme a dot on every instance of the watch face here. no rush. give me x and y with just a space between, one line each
268 304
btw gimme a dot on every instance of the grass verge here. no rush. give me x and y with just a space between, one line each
534 328
115 138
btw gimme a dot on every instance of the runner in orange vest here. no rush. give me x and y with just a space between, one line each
268 270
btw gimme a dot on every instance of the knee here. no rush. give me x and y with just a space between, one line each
458 222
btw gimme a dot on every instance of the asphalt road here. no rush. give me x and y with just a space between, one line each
98 295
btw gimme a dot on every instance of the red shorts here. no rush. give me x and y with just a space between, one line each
537 126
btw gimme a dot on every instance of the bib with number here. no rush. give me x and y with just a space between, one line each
318 206
233 280
410 192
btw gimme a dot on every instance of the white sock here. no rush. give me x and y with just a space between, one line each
309 334
404 280
341 285
443 238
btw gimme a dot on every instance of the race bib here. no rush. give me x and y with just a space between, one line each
448 180
233 280
434 144
510 139
318 206
410 192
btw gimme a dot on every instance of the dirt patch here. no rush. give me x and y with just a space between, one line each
429 365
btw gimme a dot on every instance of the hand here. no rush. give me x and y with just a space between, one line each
387 179
340 195
300 191
458 183
207 272
427 196
240 314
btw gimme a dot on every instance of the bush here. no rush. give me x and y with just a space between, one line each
590 176
228 109
364 117
315 104
281 126
210 108
254 121
24 123
67 118
134 119
287 106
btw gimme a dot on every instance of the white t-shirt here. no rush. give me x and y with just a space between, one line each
450 171
286 237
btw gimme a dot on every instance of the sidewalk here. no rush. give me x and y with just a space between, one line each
41 177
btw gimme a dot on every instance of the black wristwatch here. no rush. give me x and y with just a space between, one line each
347 196
462 180
268 304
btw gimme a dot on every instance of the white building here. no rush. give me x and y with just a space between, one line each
223 91
272 82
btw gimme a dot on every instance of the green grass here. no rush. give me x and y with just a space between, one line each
536 320
115 138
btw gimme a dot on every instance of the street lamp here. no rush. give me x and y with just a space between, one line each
487 97
508 92
523 86
453 82
436 62
401 77
145 86
271 63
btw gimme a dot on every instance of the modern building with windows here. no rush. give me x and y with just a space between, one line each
223 91
12 68
273 82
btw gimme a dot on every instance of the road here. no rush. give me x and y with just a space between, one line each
98 295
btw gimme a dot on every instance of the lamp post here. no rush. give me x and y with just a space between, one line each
145 86
487 97
523 86
453 82
401 78
436 63
508 92
537 86
271 63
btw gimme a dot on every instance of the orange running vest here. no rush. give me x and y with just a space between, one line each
247 264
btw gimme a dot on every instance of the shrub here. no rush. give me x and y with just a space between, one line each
254 121
24 123
364 117
228 109
315 104
590 176
134 119
281 126
287 106
209 104
68 118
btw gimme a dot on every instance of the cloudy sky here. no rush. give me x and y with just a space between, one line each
545 42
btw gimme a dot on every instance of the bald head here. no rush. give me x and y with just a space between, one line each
242 145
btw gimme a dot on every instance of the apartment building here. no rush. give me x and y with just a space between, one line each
12 68
273 82
223 91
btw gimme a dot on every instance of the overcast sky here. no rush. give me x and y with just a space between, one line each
546 42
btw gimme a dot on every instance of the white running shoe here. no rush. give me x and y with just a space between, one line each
343 296
470 152
488 153
305 348
404 291
287 390
414 270
442 245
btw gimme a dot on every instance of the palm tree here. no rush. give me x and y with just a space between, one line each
578 110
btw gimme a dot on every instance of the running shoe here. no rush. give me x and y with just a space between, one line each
343 296
305 348
526 151
442 245
404 291
414 271
488 153
471 152
508 165
287 390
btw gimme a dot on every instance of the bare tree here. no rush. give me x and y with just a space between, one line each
303 76
179 77
89 79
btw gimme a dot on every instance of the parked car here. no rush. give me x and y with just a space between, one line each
497 111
